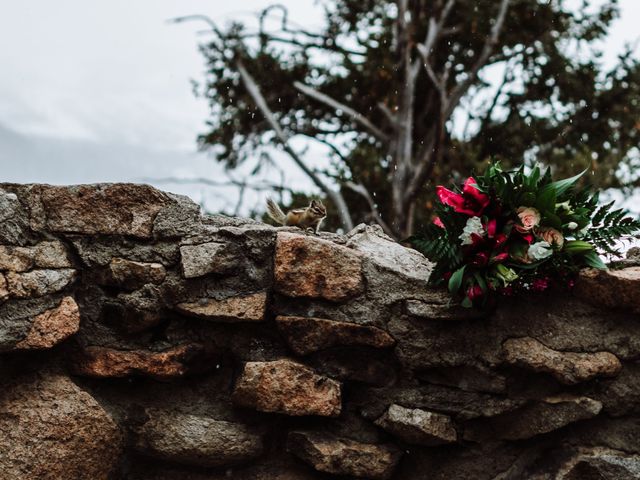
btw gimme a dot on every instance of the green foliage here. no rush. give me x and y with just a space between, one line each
526 232
562 108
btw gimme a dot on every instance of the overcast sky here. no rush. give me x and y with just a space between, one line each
100 90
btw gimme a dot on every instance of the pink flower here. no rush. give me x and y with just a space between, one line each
529 218
438 222
551 236
471 201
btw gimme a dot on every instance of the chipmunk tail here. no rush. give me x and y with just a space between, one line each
275 212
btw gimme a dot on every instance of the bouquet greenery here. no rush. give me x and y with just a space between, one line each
508 232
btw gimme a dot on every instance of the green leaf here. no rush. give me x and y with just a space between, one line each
467 303
456 280
546 201
592 259
561 186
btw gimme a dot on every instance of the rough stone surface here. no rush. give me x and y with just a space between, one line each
53 326
247 308
284 386
618 289
417 426
104 362
196 440
51 429
567 367
203 259
540 417
131 275
185 328
384 252
342 456
110 209
308 335
37 283
601 463
309 267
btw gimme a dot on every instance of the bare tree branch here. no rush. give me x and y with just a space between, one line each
336 105
487 50
360 189
253 89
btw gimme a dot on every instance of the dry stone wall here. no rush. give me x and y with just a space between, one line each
142 340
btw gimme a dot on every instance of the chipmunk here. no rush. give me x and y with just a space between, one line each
305 218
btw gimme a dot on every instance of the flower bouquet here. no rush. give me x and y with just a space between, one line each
509 232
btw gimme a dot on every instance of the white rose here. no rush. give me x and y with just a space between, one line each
539 250
474 225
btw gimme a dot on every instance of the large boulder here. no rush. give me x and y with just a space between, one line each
51 429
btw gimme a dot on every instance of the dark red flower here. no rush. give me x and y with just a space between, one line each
474 292
471 201
540 284
480 259
501 257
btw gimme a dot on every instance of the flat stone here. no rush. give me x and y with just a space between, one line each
203 259
16 259
341 456
196 440
417 426
37 283
53 326
544 416
618 289
248 308
4 288
284 386
310 267
13 218
50 430
308 335
388 254
108 209
600 463
51 254
440 306
131 275
103 362
567 367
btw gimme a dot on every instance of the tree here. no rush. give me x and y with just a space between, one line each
386 86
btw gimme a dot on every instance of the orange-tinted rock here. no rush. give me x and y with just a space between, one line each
15 259
109 209
248 308
308 335
51 430
4 288
284 386
619 289
342 456
310 267
53 326
567 367
105 362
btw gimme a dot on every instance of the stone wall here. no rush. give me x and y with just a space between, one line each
142 340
